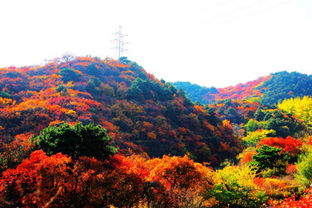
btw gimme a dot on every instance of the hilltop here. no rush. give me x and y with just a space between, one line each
141 113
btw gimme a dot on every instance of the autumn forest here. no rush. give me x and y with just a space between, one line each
84 132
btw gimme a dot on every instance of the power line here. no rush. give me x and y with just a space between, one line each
119 43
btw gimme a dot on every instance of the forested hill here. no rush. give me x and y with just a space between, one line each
269 89
141 113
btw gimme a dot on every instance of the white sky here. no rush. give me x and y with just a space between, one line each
208 42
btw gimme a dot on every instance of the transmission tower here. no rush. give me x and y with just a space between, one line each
119 43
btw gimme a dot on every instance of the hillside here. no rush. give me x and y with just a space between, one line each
142 114
55 152
269 89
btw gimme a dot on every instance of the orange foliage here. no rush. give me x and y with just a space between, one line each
274 186
151 135
227 124
291 169
179 172
199 108
4 102
247 157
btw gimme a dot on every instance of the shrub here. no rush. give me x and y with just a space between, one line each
75 141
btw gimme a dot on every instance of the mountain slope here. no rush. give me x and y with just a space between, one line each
141 113
269 89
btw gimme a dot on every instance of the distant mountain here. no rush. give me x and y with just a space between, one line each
141 113
195 92
269 89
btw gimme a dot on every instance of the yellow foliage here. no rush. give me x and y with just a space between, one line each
254 137
243 176
302 107
71 112
6 102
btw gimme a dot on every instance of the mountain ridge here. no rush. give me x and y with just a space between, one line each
268 89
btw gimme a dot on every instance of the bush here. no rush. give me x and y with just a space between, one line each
270 159
235 188
75 141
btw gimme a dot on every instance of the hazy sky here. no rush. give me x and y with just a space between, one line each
208 42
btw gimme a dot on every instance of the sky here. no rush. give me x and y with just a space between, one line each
208 42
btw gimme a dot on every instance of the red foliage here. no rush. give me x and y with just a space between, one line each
20 185
259 181
58 181
244 108
304 201
289 145
239 91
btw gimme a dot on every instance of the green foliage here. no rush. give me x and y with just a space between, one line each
61 88
5 94
97 89
272 158
304 167
284 85
195 92
231 114
254 137
75 141
91 70
253 125
268 90
213 119
281 128
124 60
283 123
236 196
144 89
259 115
235 188
69 75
